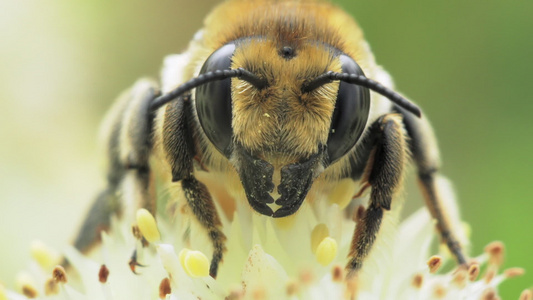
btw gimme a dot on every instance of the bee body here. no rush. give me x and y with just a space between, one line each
270 104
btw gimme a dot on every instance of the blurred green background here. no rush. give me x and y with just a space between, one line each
467 63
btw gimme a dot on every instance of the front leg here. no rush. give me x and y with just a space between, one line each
179 147
385 173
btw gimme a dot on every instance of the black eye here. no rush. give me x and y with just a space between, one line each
350 115
213 100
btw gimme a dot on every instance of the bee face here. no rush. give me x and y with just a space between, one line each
278 123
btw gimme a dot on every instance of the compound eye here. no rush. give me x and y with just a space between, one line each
213 101
350 114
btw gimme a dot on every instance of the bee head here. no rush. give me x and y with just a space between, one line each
292 108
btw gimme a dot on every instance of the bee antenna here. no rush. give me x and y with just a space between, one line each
240 73
366 82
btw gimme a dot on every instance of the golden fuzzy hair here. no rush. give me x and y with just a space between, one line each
280 120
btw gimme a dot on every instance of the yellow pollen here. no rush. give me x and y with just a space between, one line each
326 251
43 255
195 263
147 225
319 233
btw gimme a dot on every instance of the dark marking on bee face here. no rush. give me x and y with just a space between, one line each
287 52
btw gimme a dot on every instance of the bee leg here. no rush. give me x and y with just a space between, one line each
425 152
178 145
385 171
127 134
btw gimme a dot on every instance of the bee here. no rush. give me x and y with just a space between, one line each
275 99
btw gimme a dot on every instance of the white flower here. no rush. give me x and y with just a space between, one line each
299 257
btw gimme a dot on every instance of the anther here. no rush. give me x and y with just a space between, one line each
326 251
434 263
489 294
459 278
25 284
292 288
526 295
417 281
51 287
147 225
195 263
495 250
59 274
473 272
514 272
337 273
103 273
439 291
164 288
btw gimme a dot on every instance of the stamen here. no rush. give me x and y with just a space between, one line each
43 255
489 294
473 272
491 273
235 294
337 273
434 263
307 277
147 225
292 288
195 263
259 293
25 284
51 287
495 250
59 274
319 233
459 278
417 281
326 251
439 291
164 288
513 272
103 273
526 295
